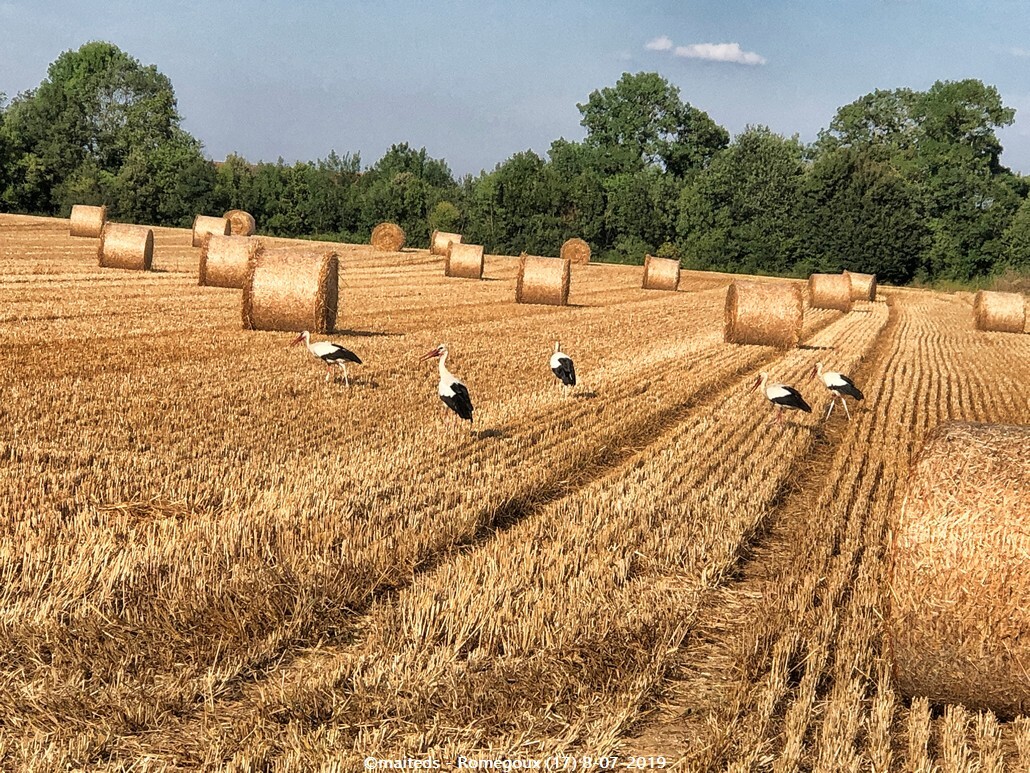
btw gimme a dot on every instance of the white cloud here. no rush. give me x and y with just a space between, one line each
661 43
1019 51
719 52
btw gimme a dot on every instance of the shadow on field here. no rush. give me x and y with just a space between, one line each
364 333
811 348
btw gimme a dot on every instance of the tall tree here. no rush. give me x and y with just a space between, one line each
641 121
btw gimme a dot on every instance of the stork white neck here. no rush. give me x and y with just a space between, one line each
445 375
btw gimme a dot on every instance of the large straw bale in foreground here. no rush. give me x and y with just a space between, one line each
863 286
205 224
661 273
829 291
764 313
240 223
225 260
958 622
999 312
87 221
576 250
388 237
439 241
126 246
464 260
543 280
292 289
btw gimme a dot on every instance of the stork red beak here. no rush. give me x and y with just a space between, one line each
297 340
430 355
755 385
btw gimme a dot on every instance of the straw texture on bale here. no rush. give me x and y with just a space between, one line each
441 240
767 314
958 621
576 250
661 273
464 260
543 280
388 237
205 224
225 260
126 246
292 289
863 286
240 223
87 221
829 291
999 312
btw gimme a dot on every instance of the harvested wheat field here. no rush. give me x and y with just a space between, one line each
213 558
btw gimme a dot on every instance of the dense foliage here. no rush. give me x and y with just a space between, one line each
902 183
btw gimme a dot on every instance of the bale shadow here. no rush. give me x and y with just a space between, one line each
586 394
813 348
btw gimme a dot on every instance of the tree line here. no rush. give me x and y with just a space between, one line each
902 183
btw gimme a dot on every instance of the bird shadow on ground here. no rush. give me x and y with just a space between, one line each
812 348
364 333
497 432
491 279
586 394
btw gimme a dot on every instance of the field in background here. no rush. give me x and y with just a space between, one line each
211 558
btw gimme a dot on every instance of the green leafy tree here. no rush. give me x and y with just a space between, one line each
641 121
96 106
1016 240
741 213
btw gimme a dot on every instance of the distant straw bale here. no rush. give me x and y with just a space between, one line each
240 223
661 273
205 224
225 260
829 291
439 241
543 280
958 619
292 289
999 312
576 250
126 246
764 313
863 286
388 237
87 221
464 260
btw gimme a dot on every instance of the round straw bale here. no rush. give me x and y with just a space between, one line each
661 273
576 250
764 313
440 240
240 223
88 221
126 246
543 280
205 224
464 260
225 260
999 312
958 617
388 237
863 286
829 291
292 289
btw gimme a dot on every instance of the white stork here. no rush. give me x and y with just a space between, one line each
329 353
839 386
455 395
782 396
562 367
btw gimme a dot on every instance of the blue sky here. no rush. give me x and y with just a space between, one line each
476 81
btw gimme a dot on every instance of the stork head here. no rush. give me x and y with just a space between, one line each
760 380
817 370
304 336
439 351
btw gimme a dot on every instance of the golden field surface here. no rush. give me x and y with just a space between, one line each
211 558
